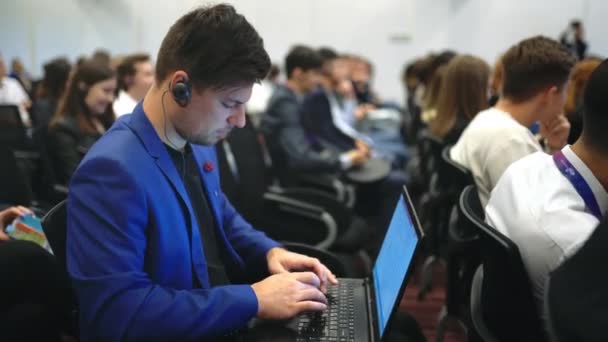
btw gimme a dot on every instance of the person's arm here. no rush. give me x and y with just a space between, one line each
107 245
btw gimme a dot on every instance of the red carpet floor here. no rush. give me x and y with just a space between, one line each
427 311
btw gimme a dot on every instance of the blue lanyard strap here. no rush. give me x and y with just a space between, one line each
579 183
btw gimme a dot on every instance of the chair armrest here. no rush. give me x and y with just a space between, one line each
308 211
326 183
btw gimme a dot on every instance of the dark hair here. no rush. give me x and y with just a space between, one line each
533 65
102 56
302 57
56 73
463 93
327 54
216 46
575 24
274 72
126 68
72 102
595 110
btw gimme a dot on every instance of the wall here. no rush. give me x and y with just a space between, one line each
39 30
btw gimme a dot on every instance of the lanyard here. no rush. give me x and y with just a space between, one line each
579 183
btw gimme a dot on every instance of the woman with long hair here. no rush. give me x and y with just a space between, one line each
83 115
463 94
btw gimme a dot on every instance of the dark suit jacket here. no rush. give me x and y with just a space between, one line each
290 149
578 292
67 145
134 246
318 122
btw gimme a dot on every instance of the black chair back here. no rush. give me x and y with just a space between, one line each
13 132
16 188
54 224
507 303
253 177
429 152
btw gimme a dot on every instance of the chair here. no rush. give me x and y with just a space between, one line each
16 189
431 206
13 132
243 151
502 303
462 256
54 225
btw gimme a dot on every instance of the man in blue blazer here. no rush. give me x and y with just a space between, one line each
154 248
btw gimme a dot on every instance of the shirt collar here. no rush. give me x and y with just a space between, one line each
601 196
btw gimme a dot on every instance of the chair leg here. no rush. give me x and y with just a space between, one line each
426 278
442 325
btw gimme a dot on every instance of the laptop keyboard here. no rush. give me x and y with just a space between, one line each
337 323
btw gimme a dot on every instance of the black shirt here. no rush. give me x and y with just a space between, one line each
189 173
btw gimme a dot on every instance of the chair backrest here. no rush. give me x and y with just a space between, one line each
14 185
54 224
507 303
452 176
250 166
429 152
12 130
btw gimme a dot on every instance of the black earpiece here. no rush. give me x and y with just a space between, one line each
181 92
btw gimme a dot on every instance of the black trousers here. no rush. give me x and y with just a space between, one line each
36 300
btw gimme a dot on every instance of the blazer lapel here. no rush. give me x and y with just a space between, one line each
142 126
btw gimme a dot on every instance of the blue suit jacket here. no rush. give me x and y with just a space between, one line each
134 247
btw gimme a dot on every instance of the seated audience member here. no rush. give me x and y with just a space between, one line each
135 75
536 72
288 145
549 205
463 94
432 76
574 96
577 301
84 114
154 248
56 73
21 75
36 300
102 56
327 113
12 93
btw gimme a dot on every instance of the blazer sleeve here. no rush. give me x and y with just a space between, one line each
106 247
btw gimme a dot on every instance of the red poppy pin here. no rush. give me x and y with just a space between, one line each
208 166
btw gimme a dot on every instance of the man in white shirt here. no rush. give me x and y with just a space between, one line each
12 93
135 76
549 205
535 75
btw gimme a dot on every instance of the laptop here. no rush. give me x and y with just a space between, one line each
361 310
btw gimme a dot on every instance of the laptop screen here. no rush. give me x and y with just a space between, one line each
393 261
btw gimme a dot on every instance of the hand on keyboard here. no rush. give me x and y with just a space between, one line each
284 295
